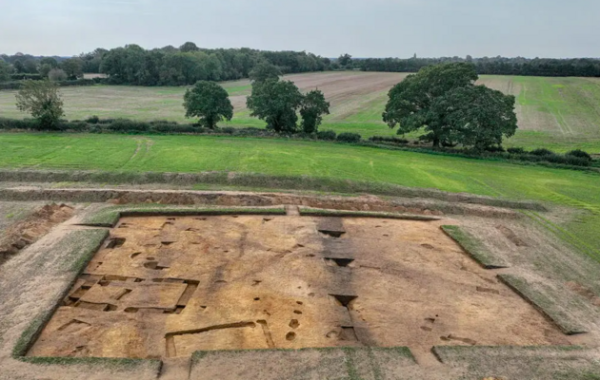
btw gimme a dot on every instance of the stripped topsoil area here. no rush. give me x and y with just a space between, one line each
164 287
353 290
33 222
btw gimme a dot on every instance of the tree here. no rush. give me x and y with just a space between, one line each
476 116
188 46
73 67
276 102
313 107
410 101
57 75
46 65
4 71
19 67
42 100
30 66
49 61
208 101
91 61
264 71
345 60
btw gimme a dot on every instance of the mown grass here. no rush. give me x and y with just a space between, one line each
318 159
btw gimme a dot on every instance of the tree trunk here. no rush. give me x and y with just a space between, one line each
436 142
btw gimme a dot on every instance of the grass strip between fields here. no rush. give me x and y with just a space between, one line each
474 247
541 297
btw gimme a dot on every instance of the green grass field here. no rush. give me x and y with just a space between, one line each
575 189
556 113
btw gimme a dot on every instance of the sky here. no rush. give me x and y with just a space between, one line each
362 28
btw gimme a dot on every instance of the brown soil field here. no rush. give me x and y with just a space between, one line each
346 91
166 287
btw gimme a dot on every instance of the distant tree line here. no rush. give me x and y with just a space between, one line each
22 67
167 66
580 67
189 64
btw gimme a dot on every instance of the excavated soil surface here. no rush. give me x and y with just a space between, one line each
164 287
27 231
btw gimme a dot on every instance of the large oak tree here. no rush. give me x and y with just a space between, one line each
208 101
276 102
430 101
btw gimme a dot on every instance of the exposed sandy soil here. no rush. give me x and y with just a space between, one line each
166 287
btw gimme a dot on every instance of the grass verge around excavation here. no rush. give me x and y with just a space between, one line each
347 363
475 248
108 217
310 211
75 250
531 363
541 297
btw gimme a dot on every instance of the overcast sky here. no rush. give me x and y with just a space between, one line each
363 28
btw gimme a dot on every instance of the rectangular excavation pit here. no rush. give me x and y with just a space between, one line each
238 282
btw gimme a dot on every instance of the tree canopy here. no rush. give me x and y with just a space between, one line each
436 101
57 75
42 100
187 47
313 107
276 102
410 101
476 116
73 67
345 60
208 101
550 67
264 71
4 71
170 66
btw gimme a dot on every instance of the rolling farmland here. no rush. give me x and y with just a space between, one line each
557 113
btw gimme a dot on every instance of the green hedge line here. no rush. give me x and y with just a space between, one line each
23 76
16 84
576 157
